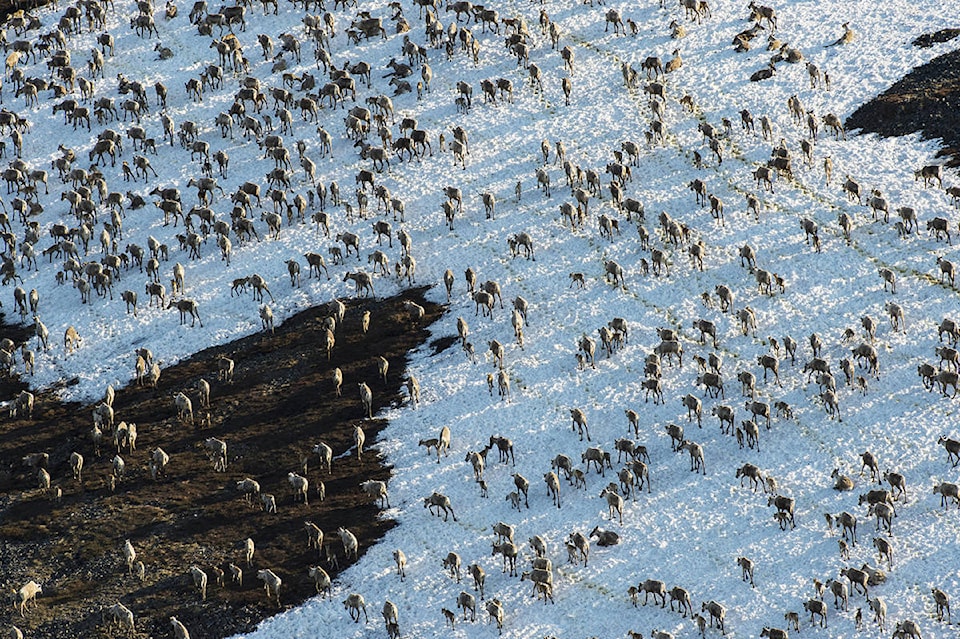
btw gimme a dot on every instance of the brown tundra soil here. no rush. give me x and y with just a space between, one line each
280 403
926 100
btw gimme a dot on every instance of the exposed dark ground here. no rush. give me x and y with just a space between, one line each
279 405
925 100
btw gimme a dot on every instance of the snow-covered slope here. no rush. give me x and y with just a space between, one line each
690 528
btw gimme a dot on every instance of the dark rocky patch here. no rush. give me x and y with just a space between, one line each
927 100
279 405
930 39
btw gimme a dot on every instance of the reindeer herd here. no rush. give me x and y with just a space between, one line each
269 93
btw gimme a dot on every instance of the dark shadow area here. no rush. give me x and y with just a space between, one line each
926 100
280 403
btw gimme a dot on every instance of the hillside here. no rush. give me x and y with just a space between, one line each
601 183
280 403
925 100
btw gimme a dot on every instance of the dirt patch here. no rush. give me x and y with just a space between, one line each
930 39
926 100
280 403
